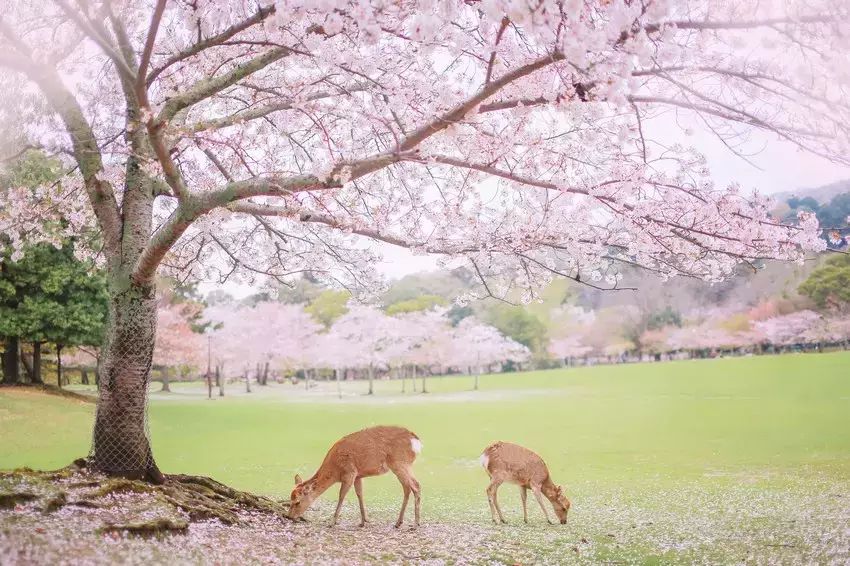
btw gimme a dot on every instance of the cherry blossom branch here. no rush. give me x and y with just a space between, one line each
213 41
141 75
88 28
85 148
205 88
244 116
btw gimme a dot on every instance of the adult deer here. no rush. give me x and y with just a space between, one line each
506 462
369 452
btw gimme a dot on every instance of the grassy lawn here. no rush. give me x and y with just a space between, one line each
730 459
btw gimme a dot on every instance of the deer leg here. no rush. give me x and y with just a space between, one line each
492 492
489 493
404 480
523 494
406 489
358 489
539 496
417 498
347 480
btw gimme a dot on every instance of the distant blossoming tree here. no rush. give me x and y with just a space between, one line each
211 138
176 343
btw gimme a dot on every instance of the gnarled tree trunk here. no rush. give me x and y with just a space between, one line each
121 445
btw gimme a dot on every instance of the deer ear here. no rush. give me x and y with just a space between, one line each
297 479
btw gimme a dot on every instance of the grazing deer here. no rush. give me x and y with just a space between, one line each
506 462
369 452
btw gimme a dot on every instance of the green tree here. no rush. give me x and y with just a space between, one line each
829 285
834 214
328 306
667 316
48 296
420 303
518 323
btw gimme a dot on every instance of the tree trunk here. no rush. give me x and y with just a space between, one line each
84 376
27 363
165 385
266 374
59 376
219 379
209 384
403 379
371 379
338 384
121 445
424 385
11 361
36 363
413 376
247 382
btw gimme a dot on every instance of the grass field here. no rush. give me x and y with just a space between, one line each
712 461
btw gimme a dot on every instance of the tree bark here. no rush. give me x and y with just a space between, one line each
403 379
27 363
36 363
219 379
121 445
247 382
165 383
266 374
11 361
84 376
59 377
371 379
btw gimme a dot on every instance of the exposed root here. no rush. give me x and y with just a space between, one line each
170 504
54 502
9 500
148 528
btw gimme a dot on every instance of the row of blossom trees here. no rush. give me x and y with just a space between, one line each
758 329
272 336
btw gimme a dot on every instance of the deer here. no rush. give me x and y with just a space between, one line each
507 462
369 452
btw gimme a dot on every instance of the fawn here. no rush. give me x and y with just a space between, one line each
506 462
369 452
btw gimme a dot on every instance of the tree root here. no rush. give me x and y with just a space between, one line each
180 496
148 528
15 498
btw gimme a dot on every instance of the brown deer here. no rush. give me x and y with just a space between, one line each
506 462
369 452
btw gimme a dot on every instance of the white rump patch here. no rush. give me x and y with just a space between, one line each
416 444
484 459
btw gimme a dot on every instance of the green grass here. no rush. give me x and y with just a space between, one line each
639 436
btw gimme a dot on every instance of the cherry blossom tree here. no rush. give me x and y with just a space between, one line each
213 138
568 347
370 336
788 329
176 343
477 345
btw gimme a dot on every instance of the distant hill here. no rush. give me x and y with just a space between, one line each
822 194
